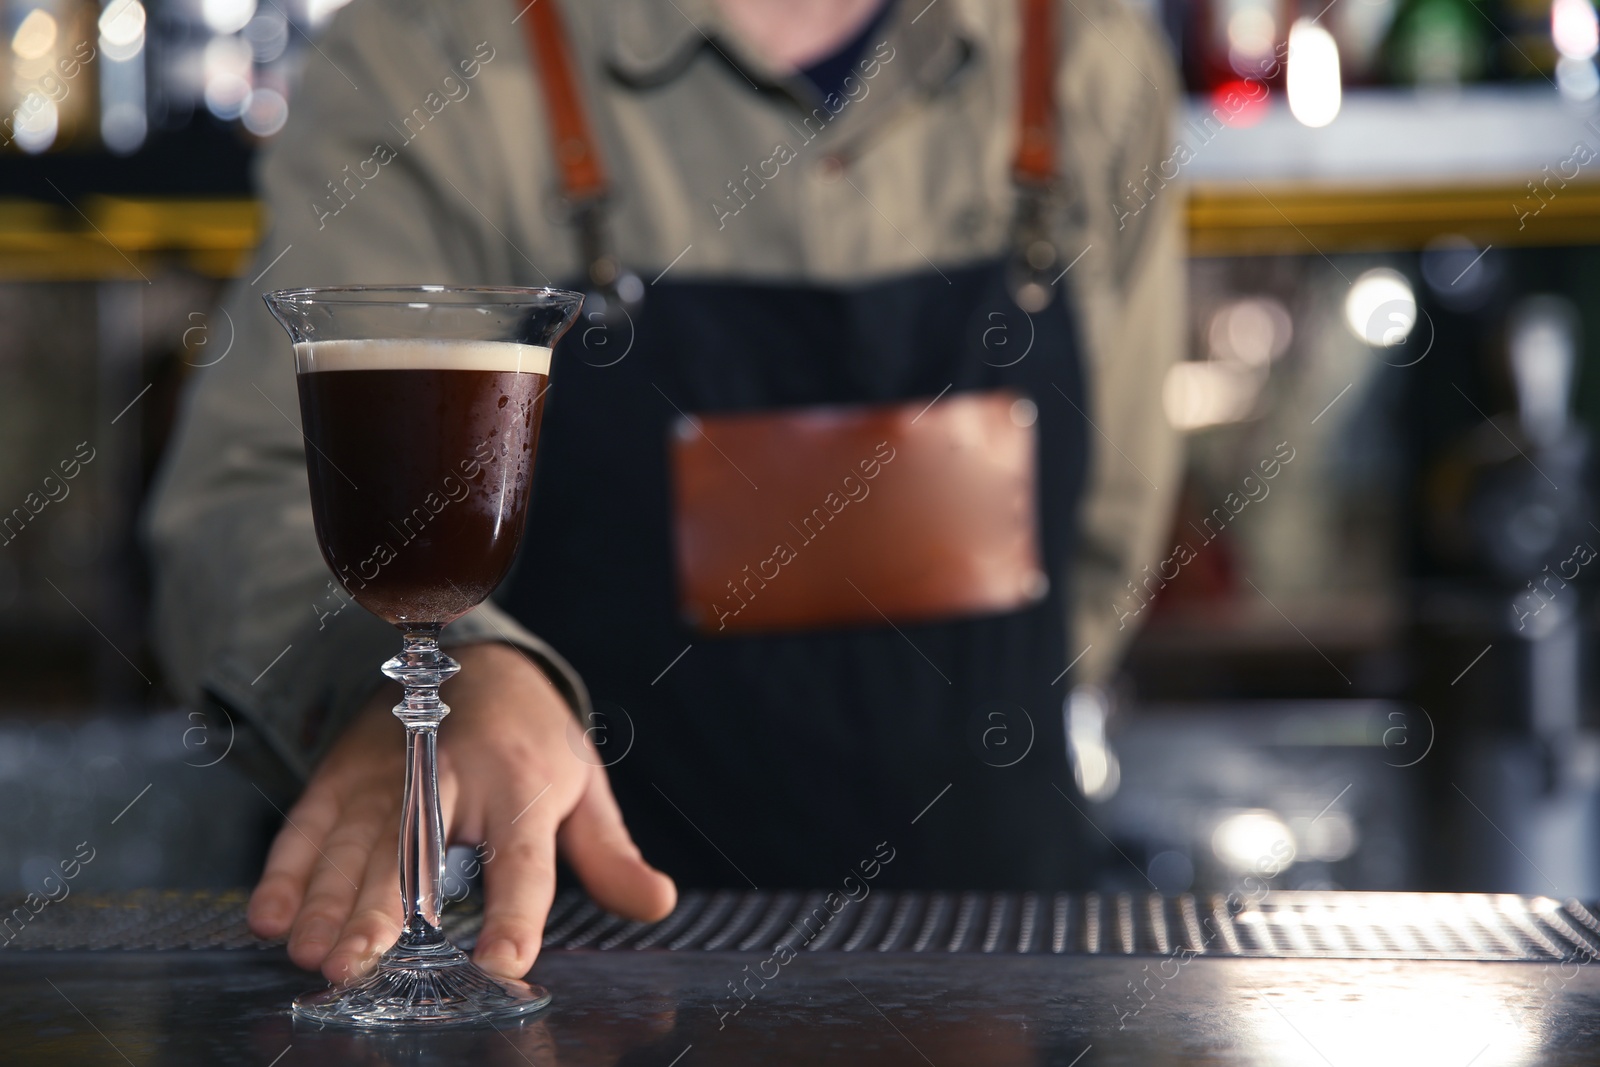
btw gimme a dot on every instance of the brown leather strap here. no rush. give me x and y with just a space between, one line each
1035 162
582 175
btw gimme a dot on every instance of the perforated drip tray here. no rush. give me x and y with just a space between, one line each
1281 925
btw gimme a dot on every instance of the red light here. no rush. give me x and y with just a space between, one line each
1241 102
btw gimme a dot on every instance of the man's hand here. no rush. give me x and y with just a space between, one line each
332 878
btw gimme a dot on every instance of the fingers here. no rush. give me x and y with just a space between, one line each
308 885
293 857
602 853
332 893
520 882
375 921
376 918
331 881
517 889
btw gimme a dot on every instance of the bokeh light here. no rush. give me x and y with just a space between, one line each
1314 89
1381 308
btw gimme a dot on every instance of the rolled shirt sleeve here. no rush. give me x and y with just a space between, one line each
359 191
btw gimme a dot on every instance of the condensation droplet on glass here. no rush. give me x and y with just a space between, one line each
504 400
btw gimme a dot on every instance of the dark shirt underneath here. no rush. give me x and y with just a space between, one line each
829 72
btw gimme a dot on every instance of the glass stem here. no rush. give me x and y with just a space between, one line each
421 668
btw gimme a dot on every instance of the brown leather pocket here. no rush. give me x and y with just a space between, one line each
840 516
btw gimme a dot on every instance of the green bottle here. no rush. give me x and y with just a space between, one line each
1438 43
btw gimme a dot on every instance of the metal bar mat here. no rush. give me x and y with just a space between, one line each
1283 925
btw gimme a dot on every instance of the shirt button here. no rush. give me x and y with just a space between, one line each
830 169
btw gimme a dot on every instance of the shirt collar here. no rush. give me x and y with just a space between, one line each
651 42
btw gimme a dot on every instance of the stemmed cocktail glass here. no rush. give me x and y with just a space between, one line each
421 409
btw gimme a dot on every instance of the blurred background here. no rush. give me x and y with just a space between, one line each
1364 660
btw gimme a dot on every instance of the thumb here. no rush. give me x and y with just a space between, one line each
597 845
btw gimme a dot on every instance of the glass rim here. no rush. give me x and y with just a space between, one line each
401 295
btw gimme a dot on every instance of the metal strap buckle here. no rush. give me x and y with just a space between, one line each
612 291
1032 265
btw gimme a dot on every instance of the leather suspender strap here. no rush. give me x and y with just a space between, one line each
613 290
583 177
1032 270
1035 162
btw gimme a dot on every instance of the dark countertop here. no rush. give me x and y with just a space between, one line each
662 1008
156 977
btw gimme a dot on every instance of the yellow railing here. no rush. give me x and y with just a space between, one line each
1226 220
106 237
110 237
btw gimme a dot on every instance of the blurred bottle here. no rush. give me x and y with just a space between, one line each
1506 637
1235 40
1361 30
1438 44
1526 49
1514 490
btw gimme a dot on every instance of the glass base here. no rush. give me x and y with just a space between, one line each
433 986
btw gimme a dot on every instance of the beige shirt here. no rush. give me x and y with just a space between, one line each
417 152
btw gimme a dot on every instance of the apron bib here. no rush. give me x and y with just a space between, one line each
797 753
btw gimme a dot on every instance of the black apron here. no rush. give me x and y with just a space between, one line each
784 760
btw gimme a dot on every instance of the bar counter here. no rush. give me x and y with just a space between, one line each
944 979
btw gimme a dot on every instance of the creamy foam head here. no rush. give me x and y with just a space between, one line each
310 356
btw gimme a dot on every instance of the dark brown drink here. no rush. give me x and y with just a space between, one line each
420 459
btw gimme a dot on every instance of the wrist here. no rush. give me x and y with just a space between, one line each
501 659
492 669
